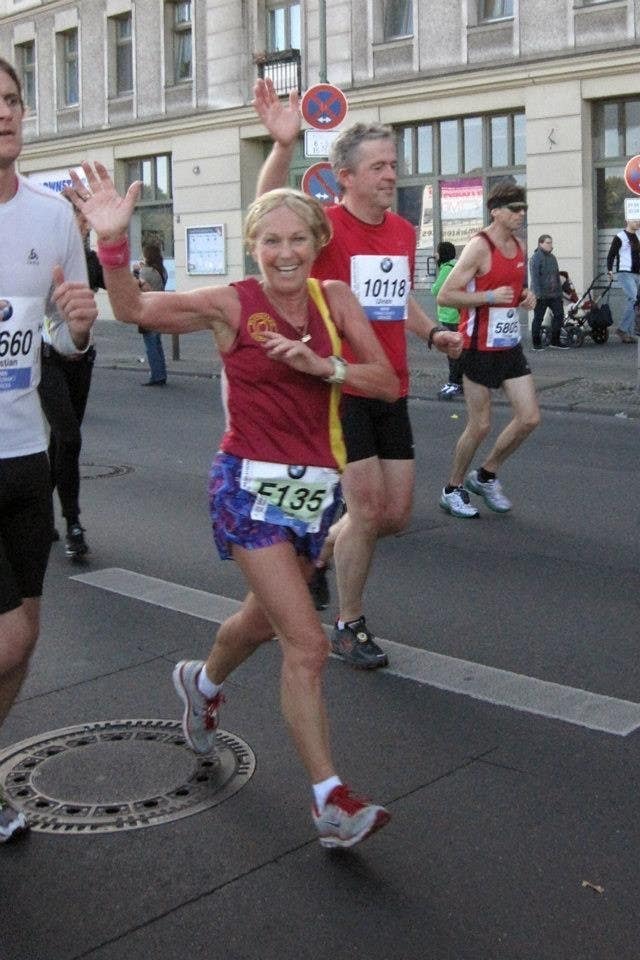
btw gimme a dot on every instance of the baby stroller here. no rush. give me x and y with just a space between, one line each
588 315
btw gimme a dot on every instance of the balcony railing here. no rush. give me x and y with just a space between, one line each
283 67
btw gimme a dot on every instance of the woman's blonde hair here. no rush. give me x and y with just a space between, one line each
307 208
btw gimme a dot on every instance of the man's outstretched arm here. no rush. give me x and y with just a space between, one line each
282 120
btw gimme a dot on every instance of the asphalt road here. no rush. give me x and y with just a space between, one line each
503 737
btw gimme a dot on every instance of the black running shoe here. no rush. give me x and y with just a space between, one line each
319 588
75 545
356 646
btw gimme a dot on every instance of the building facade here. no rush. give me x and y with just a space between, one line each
546 92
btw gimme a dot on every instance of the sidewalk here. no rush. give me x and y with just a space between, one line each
591 379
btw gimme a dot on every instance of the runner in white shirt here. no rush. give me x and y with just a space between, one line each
42 281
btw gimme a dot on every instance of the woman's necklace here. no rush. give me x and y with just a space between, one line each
299 322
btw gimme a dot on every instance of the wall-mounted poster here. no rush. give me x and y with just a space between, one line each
461 209
206 250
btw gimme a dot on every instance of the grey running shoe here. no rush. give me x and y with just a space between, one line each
348 819
200 717
457 503
12 822
491 491
75 545
319 588
356 646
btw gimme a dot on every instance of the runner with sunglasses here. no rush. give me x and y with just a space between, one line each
488 286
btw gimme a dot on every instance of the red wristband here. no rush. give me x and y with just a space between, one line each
112 256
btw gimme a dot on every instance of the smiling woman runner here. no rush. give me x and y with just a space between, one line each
274 483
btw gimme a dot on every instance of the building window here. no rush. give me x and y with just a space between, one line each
182 46
283 27
495 10
446 169
398 19
25 58
122 37
616 139
69 86
153 218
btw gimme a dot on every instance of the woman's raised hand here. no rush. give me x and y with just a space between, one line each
106 211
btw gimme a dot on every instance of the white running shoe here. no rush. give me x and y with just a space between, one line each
457 503
347 819
13 823
200 717
491 492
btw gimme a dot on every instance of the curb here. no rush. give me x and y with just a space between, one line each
622 410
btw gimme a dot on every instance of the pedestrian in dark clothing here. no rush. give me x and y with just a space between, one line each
64 391
152 275
546 283
449 317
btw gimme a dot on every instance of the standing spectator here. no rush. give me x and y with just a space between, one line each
625 253
152 275
546 283
43 273
64 390
449 317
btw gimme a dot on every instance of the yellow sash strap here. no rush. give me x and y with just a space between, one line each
336 438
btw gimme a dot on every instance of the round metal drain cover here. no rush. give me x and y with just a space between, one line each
117 775
97 471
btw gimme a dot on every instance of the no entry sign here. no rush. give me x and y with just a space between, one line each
319 181
324 106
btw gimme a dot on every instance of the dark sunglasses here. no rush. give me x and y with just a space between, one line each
516 207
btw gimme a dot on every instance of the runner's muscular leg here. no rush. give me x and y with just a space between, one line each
280 603
237 638
478 402
18 634
521 394
379 497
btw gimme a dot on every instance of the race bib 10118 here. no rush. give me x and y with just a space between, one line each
382 285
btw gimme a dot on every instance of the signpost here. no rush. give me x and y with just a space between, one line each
323 107
319 181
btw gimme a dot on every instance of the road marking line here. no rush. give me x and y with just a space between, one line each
500 687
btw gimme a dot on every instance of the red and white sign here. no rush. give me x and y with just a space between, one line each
319 181
324 106
632 175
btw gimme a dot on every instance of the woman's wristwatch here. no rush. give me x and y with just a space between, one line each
339 370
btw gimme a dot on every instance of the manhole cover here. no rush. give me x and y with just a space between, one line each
97 471
117 775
